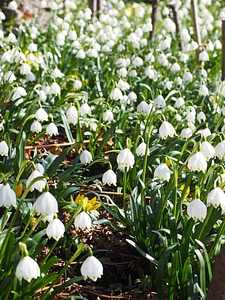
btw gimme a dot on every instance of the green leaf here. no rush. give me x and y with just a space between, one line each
67 127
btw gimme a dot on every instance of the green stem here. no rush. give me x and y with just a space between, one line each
221 231
66 227
80 248
124 192
205 223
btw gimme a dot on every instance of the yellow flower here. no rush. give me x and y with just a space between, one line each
18 190
168 162
212 98
86 203
26 52
187 191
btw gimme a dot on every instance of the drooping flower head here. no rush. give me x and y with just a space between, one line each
197 162
197 210
125 159
92 268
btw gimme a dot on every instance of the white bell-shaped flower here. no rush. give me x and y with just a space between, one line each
197 162
86 157
55 229
123 85
36 126
141 149
116 94
25 69
12 5
166 129
208 150
92 268
52 129
109 177
77 84
27 269
216 197
186 133
46 205
159 101
197 210
107 116
220 150
39 184
83 220
143 108
54 89
85 109
72 115
7 196
125 159
203 90
41 115
4 149
162 172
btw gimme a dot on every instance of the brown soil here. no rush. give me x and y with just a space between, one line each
122 264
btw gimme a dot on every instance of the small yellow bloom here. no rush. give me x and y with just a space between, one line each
26 52
187 191
212 98
168 162
18 190
87 204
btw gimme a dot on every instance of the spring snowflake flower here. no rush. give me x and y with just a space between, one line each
116 94
77 84
41 115
107 116
197 162
36 127
7 196
208 150
83 220
166 129
203 90
54 89
186 133
85 109
201 117
52 129
12 5
86 157
197 210
175 67
109 177
4 149
18 93
220 150
39 184
92 268
27 269
72 115
56 73
9 77
55 229
144 108
203 56
25 69
216 197
141 149
46 205
123 85
179 102
162 172
125 159
159 101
